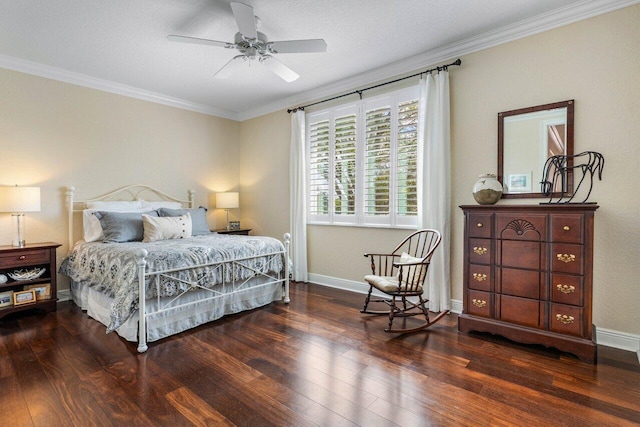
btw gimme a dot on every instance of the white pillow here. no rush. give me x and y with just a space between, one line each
168 227
161 204
415 270
91 228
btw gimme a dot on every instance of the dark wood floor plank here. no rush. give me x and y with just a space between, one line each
316 361
429 397
6 369
115 400
307 367
14 405
331 393
146 385
73 392
196 410
40 396
218 377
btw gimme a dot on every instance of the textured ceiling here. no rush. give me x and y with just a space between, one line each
121 45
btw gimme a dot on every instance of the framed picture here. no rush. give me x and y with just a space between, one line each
234 225
519 183
24 297
6 299
43 290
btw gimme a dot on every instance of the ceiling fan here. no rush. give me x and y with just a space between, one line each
252 45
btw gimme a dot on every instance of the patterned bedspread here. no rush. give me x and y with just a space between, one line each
111 267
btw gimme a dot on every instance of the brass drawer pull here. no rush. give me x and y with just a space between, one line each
566 258
565 319
479 225
22 257
566 228
565 289
479 302
479 250
479 277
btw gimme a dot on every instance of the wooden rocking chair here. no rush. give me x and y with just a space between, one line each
401 274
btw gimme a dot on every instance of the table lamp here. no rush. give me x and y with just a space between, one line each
226 201
18 200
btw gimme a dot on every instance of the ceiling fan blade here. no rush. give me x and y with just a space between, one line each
284 72
230 67
194 40
245 19
298 46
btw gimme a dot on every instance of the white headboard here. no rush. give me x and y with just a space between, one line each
129 192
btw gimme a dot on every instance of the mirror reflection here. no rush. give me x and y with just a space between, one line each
527 138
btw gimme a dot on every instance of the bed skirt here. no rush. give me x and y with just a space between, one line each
166 323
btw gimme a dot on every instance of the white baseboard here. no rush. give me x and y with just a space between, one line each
620 340
361 288
607 337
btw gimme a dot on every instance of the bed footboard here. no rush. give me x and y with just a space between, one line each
238 285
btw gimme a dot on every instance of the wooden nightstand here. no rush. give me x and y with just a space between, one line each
241 231
31 256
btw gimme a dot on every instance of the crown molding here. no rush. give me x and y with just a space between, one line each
46 71
557 18
554 19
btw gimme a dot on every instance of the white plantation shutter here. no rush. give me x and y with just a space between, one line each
377 161
362 162
407 161
344 154
319 176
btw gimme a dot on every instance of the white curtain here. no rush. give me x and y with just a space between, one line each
434 193
297 198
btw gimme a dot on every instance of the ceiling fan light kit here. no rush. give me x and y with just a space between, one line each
253 45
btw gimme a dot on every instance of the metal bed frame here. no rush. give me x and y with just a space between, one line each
134 193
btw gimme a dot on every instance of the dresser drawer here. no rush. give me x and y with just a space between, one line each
566 258
520 283
566 289
480 251
514 226
566 228
479 303
479 277
522 254
566 319
523 311
480 225
25 258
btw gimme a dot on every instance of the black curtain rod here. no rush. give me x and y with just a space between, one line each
359 92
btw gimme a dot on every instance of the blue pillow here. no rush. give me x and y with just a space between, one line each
121 227
199 224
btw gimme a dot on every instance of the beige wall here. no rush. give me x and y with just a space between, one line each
54 134
264 174
596 62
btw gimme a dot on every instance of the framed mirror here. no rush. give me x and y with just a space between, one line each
526 139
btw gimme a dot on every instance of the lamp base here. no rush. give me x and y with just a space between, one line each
18 230
228 226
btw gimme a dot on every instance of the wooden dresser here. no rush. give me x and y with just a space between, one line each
528 274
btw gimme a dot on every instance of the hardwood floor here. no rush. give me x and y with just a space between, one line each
317 361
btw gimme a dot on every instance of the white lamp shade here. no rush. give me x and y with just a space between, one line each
229 200
19 199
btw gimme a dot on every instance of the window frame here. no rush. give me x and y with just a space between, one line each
360 108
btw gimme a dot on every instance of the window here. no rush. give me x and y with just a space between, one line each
362 162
